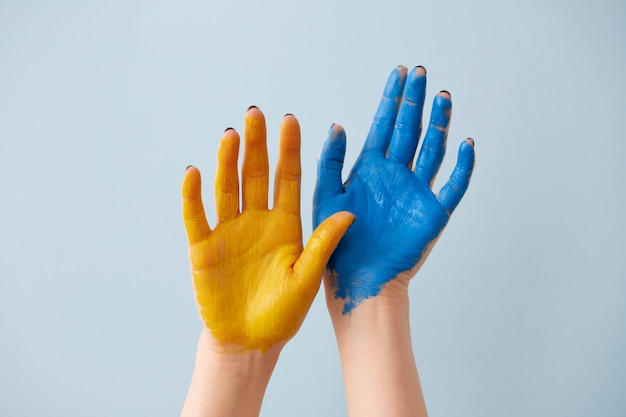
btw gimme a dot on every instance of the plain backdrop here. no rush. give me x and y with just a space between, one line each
519 311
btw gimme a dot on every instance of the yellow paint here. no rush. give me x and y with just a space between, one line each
253 282
245 288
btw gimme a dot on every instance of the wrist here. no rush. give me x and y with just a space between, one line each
228 381
390 303
377 328
234 360
374 342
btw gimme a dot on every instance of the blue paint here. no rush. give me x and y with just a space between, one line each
397 214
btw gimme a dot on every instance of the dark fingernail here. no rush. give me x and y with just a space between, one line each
188 166
447 92
289 114
228 128
420 66
252 107
471 140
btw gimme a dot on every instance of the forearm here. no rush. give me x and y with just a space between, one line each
374 341
228 384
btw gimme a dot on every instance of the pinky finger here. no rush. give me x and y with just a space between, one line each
193 211
452 192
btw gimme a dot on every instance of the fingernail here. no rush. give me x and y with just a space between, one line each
289 114
228 128
188 166
252 107
447 92
420 66
471 140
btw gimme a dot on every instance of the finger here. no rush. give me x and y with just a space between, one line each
320 246
382 127
408 125
452 192
226 177
255 170
193 211
288 171
434 146
330 165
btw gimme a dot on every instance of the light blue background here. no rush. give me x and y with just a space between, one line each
521 308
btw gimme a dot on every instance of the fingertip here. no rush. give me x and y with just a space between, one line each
340 222
290 133
192 183
325 238
402 70
442 110
395 81
416 85
467 157
193 211
330 164
445 94
345 217
191 170
467 145
254 131
335 146
230 133
443 101
254 111
337 132
419 71
289 118
337 224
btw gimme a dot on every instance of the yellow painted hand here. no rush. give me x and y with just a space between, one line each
253 281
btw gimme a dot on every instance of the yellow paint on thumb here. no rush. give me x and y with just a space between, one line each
321 245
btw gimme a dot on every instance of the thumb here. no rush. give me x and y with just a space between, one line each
321 245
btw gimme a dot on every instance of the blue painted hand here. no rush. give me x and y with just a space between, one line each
398 217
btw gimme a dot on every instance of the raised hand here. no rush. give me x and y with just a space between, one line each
398 217
253 281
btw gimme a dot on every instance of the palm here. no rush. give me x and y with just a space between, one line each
397 214
243 276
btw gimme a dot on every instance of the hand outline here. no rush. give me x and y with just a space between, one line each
253 281
398 217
